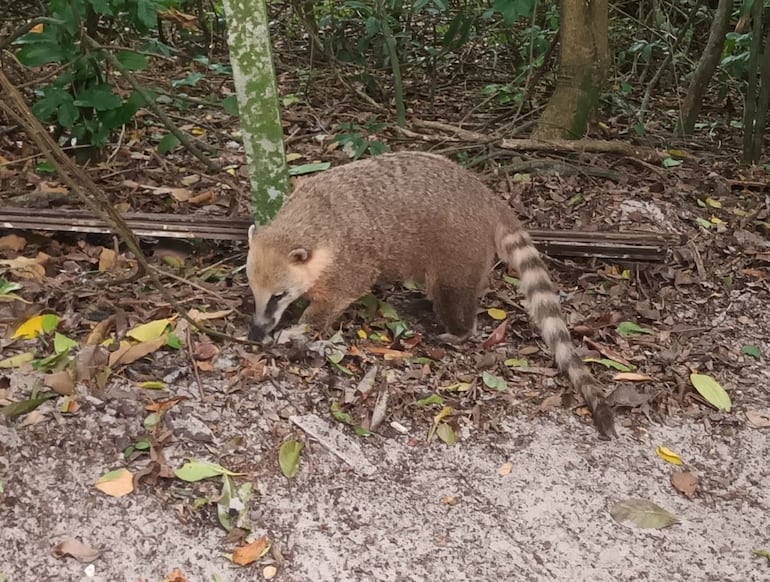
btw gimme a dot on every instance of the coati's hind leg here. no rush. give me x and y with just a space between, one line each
456 309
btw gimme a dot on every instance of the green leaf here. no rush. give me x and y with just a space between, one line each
494 382
195 470
608 363
230 105
100 97
67 114
671 163
387 310
629 329
131 60
61 343
516 362
511 280
288 458
173 341
25 406
703 222
168 143
41 53
101 7
446 433
430 400
17 361
339 415
308 168
711 391
361 431
146 13
7 287
751 350
151 421
642 514
762 554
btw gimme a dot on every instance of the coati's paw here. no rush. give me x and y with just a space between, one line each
450 338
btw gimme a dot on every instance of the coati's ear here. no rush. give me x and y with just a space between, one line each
252 231
299 255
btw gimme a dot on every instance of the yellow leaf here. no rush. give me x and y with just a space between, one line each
293 157
716 220
116 483
37 29
128 353
37 325
361 334
497 314
631 377
149 331
713 203
668 455
152 385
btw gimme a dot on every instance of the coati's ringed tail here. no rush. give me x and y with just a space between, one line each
396 217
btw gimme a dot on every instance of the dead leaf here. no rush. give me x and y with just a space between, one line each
388 353
25 268
92 363
684 482
631 377
550 403
505 469
758 419
60 382
497 336
116 483
630 396
208 315
129 353
108 259
205 351
75 549
269 572
607 352
12 242
100 330
251 552
207 197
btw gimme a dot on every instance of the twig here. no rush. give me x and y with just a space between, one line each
25 28
194 366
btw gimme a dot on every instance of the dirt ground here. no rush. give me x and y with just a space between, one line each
525 493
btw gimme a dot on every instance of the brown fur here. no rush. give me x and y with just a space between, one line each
404 216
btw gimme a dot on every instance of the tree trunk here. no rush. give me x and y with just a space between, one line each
706 67
251 56
583 64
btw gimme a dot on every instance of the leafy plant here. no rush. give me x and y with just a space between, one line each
82 100
359 139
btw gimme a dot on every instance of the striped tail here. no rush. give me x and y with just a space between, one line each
515 247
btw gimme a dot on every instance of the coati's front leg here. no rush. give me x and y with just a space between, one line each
331 295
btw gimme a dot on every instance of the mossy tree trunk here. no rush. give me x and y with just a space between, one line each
583 64
251 56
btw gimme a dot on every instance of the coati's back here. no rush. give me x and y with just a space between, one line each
405 209
396 217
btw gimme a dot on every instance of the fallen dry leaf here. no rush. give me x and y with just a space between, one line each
497 336
107 260
250 552
631 377
60 382
75 549
100 330
12 242
550 403
130 353
505 469
205 351
25 268
388 353
116 483
269 572
684 482
196 315
758 419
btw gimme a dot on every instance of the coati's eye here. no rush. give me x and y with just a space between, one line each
278 296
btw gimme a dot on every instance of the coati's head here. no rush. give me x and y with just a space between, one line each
278 274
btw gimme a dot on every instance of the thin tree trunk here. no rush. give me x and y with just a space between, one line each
706 67
583 64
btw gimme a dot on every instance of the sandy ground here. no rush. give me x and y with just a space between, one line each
396 508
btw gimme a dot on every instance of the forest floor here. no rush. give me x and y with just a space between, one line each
526 491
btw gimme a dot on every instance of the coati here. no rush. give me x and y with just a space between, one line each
404 216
